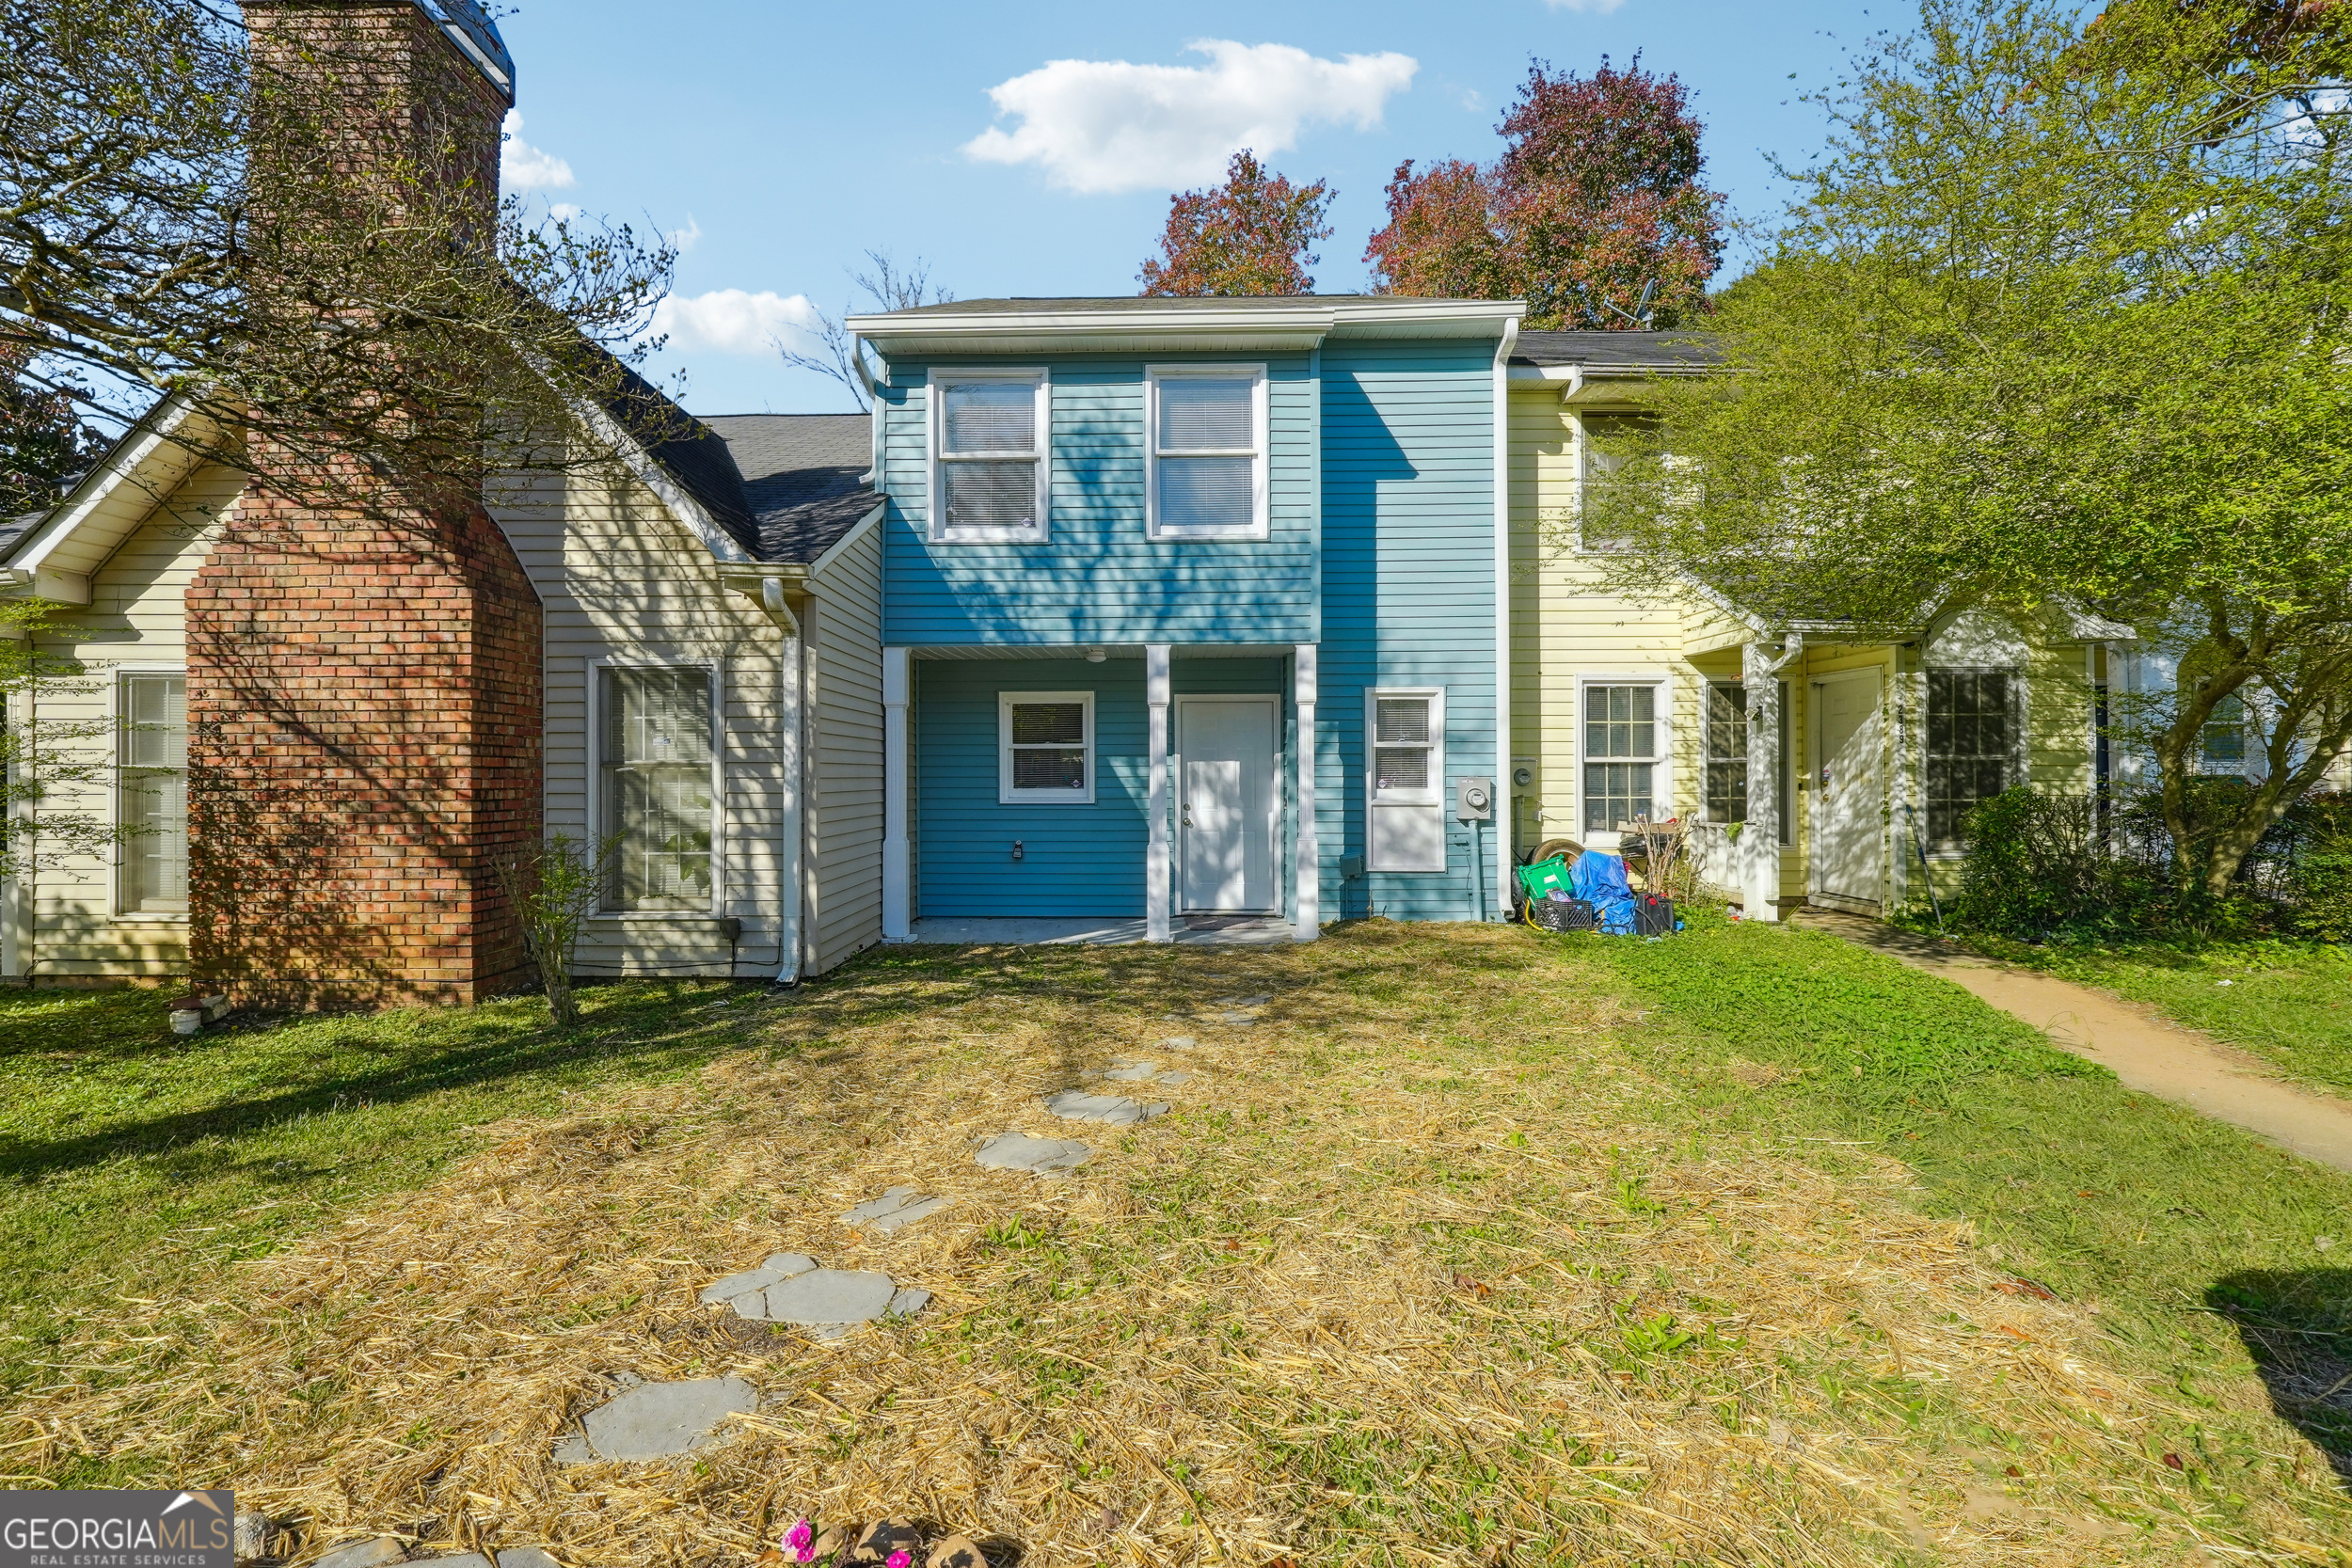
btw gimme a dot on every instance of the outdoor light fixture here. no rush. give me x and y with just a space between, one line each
1095 655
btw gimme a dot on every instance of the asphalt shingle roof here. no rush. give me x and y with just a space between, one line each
801 476
1631 351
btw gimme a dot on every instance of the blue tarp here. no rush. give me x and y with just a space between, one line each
1599 880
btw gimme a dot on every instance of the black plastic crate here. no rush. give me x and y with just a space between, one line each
1564 915
1653 916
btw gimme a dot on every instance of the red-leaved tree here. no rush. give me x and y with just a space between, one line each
1596 199
1254 234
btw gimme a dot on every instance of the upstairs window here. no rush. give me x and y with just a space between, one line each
656 757
154 785
1972 741
1045 747
990 464
1207 463
1621 750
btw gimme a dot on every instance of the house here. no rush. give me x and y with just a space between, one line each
1813 766
1191 611
329 731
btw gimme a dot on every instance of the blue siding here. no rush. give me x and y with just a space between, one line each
1097 578
1077 860
1408 575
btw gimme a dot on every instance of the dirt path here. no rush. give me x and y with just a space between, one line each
2143 1050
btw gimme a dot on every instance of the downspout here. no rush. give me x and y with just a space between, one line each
1502 784
874 405
788 764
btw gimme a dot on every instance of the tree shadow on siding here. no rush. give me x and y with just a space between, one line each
2297 1324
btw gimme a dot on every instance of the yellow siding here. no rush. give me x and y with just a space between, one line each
844 798
65 926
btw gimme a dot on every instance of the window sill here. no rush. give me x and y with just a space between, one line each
153 917
990 536
1256 535
626 917
1087 800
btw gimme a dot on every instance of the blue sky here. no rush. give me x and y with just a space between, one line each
1032 149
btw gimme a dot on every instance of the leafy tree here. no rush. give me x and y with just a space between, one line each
44 443
193 202
1252 235
1594 214
2061 312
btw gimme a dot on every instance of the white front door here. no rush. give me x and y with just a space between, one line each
1850 805
1227 811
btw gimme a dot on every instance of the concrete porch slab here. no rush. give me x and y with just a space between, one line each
1105 931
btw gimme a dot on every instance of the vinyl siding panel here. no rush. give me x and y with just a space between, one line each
845 755
1097 578
624 582
1408 574
65 926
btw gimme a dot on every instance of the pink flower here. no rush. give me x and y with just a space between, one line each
799 1537
897 1559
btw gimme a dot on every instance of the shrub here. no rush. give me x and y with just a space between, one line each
2322 877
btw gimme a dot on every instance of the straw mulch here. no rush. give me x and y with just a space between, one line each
1418 1272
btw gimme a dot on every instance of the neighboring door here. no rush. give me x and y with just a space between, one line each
1227 811
1849 775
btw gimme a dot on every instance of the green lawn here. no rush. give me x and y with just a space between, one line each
2289 1003
135 1159
2205 1244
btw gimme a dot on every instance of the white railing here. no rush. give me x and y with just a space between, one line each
1714 859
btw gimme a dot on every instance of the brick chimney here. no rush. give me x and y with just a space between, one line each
364 649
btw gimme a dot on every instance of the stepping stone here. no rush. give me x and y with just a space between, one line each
1174 1078
897 1207
1179 1042
525 1556
1241 1000
653 1420
1039 1156
779 1267
1236 1021
883 1537
1116 1110
1126 1071
831 1302
906 1303
364 1554
462 1559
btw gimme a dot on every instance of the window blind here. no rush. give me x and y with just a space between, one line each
656 753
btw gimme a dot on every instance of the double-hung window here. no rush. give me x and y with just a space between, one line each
155 794
1728 757
655 770
1207 453
1972 739
1624 745
1045 747
990 468
2222 741
1408 778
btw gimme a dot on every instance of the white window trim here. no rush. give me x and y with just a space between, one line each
118 906
935 417
1662 778
1005 794
2020 736
1260 424
594 790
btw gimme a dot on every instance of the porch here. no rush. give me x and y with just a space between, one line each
1100 794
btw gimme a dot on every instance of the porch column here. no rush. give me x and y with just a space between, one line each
898 900
1158 926
1309 866
1758 850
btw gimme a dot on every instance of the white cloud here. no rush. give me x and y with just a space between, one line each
1590 8
524 167
684 239
563 212
1107 125
733 322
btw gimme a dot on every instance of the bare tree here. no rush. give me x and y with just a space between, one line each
891 287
